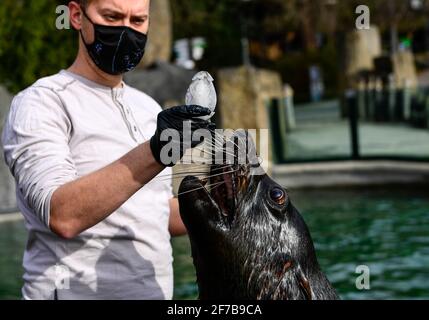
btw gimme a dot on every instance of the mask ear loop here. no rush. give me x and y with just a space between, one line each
86 15
89 19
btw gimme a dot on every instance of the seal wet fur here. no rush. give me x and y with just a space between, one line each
248 240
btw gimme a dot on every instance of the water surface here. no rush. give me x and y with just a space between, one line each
386 230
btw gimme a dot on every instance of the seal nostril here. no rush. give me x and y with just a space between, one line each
278 195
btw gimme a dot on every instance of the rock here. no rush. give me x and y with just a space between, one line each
362 47
7 185
404 70
160 37
244 95
166 83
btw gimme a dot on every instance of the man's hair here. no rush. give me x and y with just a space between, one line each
83 3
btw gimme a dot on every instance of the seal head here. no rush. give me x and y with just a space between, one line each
248 240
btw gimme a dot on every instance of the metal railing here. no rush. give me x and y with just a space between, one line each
390 124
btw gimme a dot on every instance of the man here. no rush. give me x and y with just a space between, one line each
77 143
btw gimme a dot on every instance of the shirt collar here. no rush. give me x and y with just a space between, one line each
95 85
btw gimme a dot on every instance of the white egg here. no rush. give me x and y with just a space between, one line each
202 92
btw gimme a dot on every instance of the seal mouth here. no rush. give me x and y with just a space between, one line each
218 197
227 183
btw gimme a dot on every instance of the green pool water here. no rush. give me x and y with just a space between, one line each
386 230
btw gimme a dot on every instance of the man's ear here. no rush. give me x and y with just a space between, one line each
76 15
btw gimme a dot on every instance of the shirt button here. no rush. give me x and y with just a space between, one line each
135 128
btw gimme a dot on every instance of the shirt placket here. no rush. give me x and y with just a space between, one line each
128 117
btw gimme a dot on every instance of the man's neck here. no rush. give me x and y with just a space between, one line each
85 67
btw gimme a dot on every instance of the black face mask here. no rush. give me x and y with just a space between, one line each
115 50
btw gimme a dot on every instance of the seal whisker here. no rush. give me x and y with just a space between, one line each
211 176
216 140
214 153
203 187
223 173
223 142
183 175
191 172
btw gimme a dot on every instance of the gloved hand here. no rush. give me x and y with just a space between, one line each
174 118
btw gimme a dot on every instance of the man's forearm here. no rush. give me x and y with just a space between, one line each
176 226
83 203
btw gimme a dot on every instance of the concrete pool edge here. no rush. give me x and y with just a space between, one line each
10 217
351 174
335 174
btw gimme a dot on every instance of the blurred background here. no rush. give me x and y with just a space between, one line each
347 111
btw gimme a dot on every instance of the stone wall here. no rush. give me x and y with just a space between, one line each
244 93
404 69
244 96
362 46
7 184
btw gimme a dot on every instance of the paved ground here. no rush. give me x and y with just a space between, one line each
321 133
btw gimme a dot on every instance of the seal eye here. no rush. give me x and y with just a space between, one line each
278 196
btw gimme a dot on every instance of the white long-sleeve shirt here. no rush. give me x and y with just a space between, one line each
64 127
